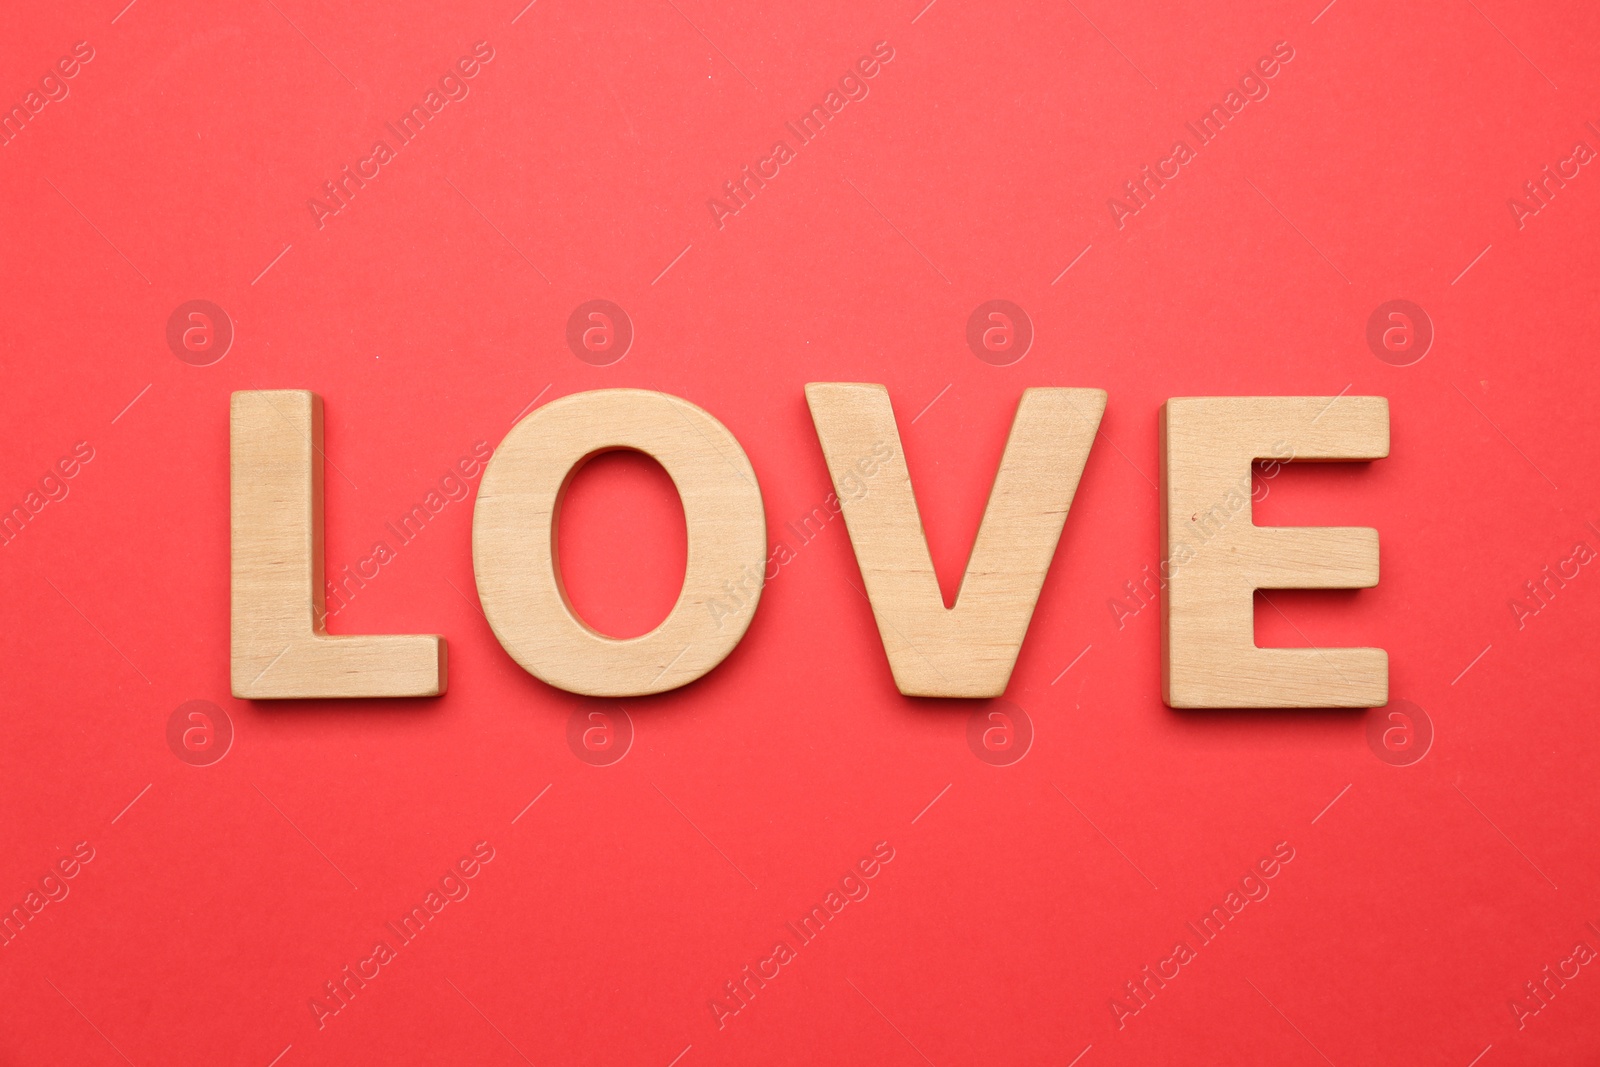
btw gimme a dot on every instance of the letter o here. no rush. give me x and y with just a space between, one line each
513 541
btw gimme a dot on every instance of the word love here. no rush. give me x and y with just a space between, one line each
1213 556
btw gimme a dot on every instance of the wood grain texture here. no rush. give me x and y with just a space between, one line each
281 647
519 576
1214 557
967 650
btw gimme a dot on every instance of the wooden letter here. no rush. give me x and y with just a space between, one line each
1215 558
281 648
968 650
519 576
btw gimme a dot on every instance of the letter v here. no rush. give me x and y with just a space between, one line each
968 650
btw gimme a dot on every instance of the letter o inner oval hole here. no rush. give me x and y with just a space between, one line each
621 544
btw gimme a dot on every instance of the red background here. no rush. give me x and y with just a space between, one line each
1379 167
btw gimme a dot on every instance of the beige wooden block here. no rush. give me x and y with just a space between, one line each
281 647
514 554
1215 557
968 650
